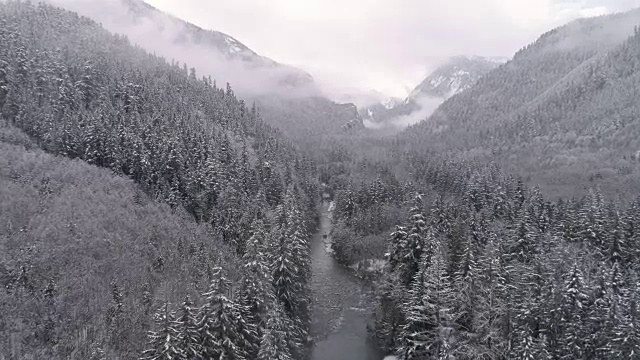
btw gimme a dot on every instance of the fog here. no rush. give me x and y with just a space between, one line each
384 51
383 45
163 35
427 105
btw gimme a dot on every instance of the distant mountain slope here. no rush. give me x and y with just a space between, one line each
310 118
287 96
254 77
211 52
186 33
562 111
456 75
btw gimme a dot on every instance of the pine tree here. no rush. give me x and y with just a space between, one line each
465 282
219 331
164 343
416 243
631 226
526 350
490 308
291 268
284 271
397 246
389 317
625 340
256 282
592 220
274 343
574 302
187 327
429 312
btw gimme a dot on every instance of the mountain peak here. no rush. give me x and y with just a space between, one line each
230 48
456 75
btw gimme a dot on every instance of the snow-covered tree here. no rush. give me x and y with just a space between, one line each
219 328
274 344
187 327
164 343
428 329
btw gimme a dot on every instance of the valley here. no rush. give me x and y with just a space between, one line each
166 192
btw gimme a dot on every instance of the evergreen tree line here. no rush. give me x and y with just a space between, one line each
487 268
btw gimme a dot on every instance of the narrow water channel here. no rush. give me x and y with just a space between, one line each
342 303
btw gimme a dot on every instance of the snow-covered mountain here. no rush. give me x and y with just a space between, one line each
185 33
381 108
210 52
456 75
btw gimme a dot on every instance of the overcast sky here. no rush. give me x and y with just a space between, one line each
386 45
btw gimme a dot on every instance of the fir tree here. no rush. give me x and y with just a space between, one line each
429 312
274 344
220 334
187 327
256 282
573 306
164 343
415 244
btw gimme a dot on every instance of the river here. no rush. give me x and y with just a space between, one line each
342 303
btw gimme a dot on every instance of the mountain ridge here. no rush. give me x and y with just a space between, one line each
226 44
454 76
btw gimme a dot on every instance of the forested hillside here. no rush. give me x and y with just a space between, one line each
558 113
287 97
82 93
485 267
310 119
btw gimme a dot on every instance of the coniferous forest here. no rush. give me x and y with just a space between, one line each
147 212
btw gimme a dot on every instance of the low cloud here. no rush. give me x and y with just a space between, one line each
427 105
386 45
161 34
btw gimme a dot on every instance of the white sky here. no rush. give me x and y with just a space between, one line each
384 45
